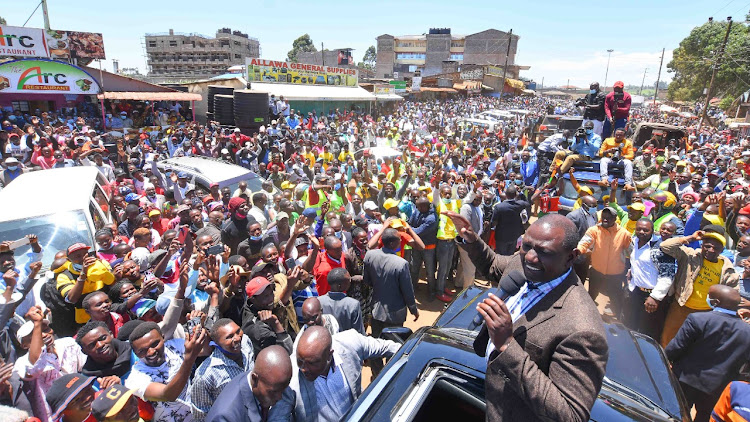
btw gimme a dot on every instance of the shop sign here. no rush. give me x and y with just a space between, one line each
384 89
45 76
22 42
398 86
261 70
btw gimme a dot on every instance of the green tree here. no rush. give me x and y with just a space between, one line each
693 61
2 21
303 43
370 57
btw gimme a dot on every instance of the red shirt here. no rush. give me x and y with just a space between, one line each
405 239
324 266
621 109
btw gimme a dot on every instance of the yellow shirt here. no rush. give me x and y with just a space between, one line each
709 275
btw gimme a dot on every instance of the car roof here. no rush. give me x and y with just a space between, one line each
216 171
629 353
47 192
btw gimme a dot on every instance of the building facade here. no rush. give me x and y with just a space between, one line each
194 56
405 54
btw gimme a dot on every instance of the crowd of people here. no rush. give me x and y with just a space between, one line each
192 297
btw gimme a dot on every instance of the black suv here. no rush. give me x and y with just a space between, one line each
436 376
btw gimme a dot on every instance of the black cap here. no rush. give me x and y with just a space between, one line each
64 390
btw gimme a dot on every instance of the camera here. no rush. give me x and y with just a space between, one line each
580 132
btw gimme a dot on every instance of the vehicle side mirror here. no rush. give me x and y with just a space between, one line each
397 334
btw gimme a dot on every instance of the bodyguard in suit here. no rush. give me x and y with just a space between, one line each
709 349
327 377
546 348
250 396
506 219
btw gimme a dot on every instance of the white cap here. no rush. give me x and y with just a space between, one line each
369 205
237 129
24 330
11 160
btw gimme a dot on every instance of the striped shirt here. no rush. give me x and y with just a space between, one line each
529 295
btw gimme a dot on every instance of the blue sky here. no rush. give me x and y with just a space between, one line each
559 40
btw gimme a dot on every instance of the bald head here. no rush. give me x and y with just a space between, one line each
589 200
723 296
312 312
271 375
314 352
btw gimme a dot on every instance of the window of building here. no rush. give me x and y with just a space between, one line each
20 105
237 43
237 56
457 43
152 43
173 43
410 56
457 56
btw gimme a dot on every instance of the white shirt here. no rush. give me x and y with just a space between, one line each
643 272
142 375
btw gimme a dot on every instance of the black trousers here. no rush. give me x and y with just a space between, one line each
704 402
376 364
505 247
611 285
635 317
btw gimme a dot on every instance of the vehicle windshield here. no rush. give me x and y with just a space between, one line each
254 184
55 232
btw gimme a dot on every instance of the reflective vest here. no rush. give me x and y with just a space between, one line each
446 229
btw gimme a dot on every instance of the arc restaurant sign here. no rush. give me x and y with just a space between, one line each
43 76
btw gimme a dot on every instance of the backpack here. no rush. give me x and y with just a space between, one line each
63 314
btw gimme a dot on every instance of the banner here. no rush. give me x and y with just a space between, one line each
260 70
35 42
398 86
495 71
416 83
384 89
76 45
31 76
22 42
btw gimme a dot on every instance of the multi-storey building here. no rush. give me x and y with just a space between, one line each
427 53
195 56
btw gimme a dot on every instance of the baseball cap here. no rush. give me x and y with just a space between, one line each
619 84
237 130
716 236
131 197
182 208
369 205
390 203
64 390
77 247
397 223
281 215
110 401
256 286
153 213
587 190
182 175
638 206
310 212
24 330
142 306
611 210
301 241
11 160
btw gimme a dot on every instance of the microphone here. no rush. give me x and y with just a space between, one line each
509 285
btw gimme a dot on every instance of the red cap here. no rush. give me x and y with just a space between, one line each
77 247
256 285
745 210
619 84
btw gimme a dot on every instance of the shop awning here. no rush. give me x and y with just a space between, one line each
313 92
434 89
389 97
150 96
515 83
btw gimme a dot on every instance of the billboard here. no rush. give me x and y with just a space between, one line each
44 76
384 89
261 70
345 57
398 86
22 42
35 42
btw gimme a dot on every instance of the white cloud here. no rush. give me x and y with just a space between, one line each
626 67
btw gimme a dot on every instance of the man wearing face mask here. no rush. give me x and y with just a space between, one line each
583 148
593 104
12 170
617 109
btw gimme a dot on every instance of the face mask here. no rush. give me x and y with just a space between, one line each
256 238
77 267
589 131
518 182
339 234
337 186
593 91
446 200
241 215
708 300
12 168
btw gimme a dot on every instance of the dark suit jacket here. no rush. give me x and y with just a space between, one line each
709 350
237 402
554 369
506 218
582 220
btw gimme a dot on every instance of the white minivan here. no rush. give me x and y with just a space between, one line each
61 206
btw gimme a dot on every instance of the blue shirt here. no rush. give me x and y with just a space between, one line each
529 295
333 393
530 173
590 148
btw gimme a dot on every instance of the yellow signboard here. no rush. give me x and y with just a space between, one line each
260 70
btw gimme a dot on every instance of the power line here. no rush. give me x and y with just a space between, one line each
32 14
723 7
743 8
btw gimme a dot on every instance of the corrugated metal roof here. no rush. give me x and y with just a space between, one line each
150 96
313 92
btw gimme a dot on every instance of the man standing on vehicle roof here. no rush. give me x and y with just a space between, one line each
617 108
593 104
546 348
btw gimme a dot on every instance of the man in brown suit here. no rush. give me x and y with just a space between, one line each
546 350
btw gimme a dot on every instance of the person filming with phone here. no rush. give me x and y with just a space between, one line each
80 275
545 345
